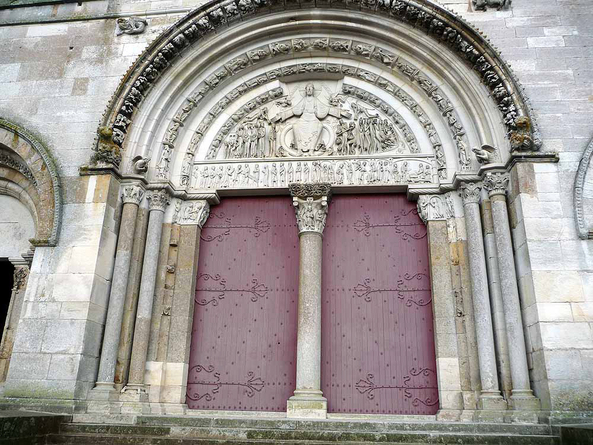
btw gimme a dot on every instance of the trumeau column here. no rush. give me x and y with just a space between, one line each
521 397
157 203
311 206
131 196
490 397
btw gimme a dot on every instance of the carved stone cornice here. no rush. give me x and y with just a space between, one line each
470 193
194 212
310 190
132 194
158 200
496 183
310 201
435 207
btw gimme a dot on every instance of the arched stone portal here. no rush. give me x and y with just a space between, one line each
245 98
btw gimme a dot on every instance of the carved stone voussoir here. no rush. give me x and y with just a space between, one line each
470 193
158 200
435 207
194 212
496 183
311 213
310 190
132 194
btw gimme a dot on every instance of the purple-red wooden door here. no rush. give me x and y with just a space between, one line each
243 351
378 351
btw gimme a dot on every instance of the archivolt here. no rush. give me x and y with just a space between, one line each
442 25
34 180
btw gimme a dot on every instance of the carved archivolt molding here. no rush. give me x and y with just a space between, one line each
36 164
440 24
585 231
206 88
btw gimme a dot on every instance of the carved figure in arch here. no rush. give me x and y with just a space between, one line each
311 111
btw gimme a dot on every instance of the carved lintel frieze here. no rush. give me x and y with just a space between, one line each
194 212
158 200
132 194
496 183
435 207
470 193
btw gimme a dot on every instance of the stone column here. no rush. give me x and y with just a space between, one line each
157 203
21 275
500 332
131 196
490 397
311 206
522 397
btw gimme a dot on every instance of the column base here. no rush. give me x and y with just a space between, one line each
524 400
491 401
104 391
307 404
134 393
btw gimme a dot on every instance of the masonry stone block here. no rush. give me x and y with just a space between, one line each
29 366
566 335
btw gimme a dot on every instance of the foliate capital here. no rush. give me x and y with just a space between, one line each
158 200
132 194
435 207
470 193
310 190
496 183
194 212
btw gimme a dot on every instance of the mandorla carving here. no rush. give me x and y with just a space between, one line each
313 121
311 213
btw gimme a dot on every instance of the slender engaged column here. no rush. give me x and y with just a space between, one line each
157 202
522 397
490 397
311 205
500 332
131 196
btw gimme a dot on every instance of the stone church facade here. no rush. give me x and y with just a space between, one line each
314 208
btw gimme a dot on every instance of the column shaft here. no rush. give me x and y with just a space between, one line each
132 196
490 397
157 206
500 332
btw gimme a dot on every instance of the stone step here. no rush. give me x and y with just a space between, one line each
343 425
137 434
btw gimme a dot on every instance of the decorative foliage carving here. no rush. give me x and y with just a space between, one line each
158 200
437 22
195 212
130 25
310 202
132 194
435 207
583 230
482 5
470 193
362 171
496 183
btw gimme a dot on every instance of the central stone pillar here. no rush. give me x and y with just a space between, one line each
490 397
131 197
522 397
311 206
157 203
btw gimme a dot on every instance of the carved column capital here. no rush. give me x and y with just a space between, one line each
194 212
435 207
132 194
496 183
470 193
310 202
158 200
